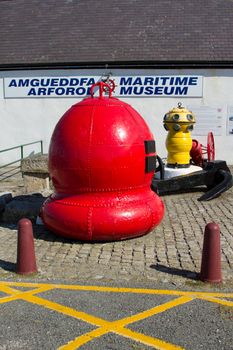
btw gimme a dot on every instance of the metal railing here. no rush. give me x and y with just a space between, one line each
8 173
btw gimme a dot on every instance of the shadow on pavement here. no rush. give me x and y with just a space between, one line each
7 265
42 233
176 272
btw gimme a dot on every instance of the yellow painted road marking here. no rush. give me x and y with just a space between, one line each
147 340
99 322
117 327
119 290
125 332
83 339
153 311
68 311
17 294
12 291
216 300
104 326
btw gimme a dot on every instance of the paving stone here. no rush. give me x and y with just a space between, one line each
175 245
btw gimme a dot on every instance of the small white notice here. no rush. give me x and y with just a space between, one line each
207 119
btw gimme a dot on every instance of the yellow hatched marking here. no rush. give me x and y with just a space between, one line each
107 326
83 339
97 321
8 290
147 340
153 311
139 337
117 327
13 291
17 294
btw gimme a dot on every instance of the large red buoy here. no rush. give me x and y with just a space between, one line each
101 162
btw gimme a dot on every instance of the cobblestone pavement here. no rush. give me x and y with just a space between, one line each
172 252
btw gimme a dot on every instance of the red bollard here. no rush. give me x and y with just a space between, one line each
26 260
211 255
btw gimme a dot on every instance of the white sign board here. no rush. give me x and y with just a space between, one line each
207 119
126 86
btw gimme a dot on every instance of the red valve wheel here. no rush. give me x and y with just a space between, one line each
198 151
111 84
210 146
103 87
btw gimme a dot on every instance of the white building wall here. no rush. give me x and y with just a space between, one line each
25 120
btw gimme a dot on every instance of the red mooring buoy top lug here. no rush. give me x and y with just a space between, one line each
101 161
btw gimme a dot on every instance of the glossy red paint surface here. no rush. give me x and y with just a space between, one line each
97 165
